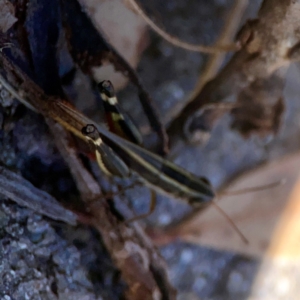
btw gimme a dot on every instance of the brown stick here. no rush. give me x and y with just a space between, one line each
142 267
267 45
21 191
218 47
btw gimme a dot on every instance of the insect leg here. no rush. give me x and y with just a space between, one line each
153 201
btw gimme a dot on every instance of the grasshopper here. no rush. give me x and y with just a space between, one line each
160 173
114 153
155 171
118 120
119 157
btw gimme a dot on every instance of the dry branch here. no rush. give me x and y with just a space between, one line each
219 47
21 191
142 267
268 44
140 263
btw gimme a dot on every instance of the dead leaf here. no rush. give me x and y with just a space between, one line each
257 214
125 30
7 15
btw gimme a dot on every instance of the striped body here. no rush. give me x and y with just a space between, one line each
160 174
118 120
155 171
107 159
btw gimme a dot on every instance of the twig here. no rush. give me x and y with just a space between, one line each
142 267
266 46
21 191
14 93
214 59
218 47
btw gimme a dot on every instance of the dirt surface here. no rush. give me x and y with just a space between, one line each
40 252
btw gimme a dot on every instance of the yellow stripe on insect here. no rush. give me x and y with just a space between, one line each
98 142
116 117
102 165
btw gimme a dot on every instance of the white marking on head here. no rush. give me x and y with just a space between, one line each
98 141
112 100
89 138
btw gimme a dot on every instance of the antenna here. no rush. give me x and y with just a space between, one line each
254 189
230 221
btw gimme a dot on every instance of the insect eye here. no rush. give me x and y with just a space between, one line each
106 88
88 129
